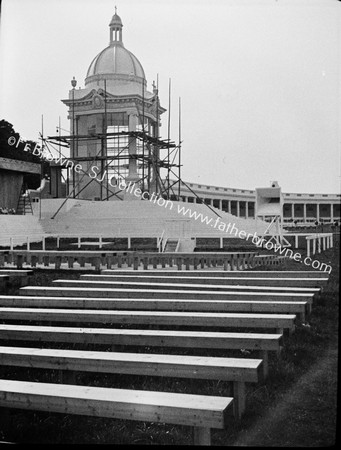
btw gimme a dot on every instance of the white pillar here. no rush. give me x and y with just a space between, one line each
296 240
229 206
292 211
220 204
304 212
318 212
132 174
238 209
332 212
246 210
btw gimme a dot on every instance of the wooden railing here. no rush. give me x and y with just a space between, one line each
98 239
320 241
96 259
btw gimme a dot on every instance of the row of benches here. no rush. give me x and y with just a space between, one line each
180 311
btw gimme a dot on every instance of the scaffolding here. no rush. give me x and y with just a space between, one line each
149 161
156 159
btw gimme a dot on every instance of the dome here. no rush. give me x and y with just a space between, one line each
116 20
115 61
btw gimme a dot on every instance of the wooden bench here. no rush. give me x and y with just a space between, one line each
52 291
250 306
21 276
183 286
259 342
223 281
221 273
16 273
199 411
236 370
194 319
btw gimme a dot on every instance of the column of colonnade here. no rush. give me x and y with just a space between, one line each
317 216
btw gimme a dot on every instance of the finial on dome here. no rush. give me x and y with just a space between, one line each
116 29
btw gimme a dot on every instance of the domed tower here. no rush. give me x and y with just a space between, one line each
109 119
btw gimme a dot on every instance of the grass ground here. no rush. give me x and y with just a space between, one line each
295 407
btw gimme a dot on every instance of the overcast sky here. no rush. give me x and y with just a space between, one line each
259 80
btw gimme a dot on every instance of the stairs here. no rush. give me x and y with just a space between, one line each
171 245
24 204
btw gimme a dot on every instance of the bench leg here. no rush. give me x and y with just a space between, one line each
239 398
265 358
202 436
301 316
5 415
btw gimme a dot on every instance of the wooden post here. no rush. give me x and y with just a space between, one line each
265 358
58 262
244 264
97 263
5 414
239 398
201 436
19 261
